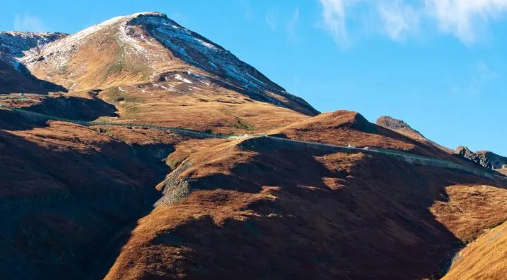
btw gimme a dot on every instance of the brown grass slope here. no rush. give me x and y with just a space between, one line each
405 129
257 209
483 259
72 196
351 128
69 189
150 48
65 190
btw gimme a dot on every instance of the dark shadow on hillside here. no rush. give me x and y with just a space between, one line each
375 226
21 80
75 108
61 208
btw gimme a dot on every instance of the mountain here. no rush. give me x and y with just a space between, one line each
167 157
13 75
477 158
483 259
405 129
149 47
15 44
497 161
399 126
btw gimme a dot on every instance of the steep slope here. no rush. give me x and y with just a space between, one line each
12 80
149 47
257 209
65 190
399 126
477 158
497 161
483 259
405 129
14 77
351 128
81 202
15 44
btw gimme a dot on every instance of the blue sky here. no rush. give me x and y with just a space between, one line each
440 65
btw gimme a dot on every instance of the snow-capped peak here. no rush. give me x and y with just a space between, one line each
16 43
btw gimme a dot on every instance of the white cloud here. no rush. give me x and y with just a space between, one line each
291 24
463 17
28 23
334 17
483 75
397 19
270 19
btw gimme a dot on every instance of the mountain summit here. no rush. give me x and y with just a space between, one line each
150 47
150 152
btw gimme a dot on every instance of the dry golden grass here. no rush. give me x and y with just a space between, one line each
483 259
202 108
303 201
468 212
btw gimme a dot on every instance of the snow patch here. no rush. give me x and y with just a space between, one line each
180 78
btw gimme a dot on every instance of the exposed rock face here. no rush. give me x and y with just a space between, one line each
14 77
497 161
477 158
398 125
16 43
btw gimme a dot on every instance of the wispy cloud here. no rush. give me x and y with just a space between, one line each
247 8
271 21
291 24
462 18
28 23
399 18
334 18
481 76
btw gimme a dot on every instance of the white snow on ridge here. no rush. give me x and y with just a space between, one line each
197 51
16 43
130 32
180 78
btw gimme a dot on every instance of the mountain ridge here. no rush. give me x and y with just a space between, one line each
142 47
124 201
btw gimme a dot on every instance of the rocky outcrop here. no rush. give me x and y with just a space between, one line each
498 162
477 158
14 77
398 125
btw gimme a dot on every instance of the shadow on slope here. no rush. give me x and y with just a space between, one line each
75 108
263 210
17 81
65 194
